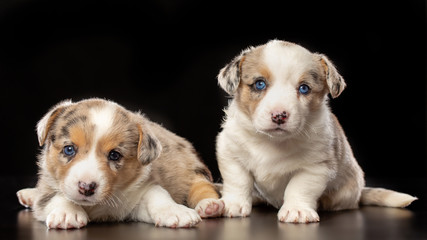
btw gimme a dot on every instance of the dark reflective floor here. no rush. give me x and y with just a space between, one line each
364 223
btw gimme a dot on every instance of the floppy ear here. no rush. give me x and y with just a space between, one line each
149 147
229 76
44 125
334 80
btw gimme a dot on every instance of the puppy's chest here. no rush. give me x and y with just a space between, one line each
118 207
273 166
272 176
270 160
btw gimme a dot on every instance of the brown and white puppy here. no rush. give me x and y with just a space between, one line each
281 140
101 162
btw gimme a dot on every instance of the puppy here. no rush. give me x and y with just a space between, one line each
280 139
101 162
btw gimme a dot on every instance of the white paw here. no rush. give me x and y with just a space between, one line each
26 197
237 208
66 219
210 207
297 215
176 216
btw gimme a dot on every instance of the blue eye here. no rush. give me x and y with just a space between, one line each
114 155
260 85
69 150
304 89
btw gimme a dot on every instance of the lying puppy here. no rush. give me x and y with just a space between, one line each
281 139
101 162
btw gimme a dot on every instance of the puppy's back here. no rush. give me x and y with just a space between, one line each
180 170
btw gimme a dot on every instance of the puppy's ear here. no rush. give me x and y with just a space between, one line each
149 147
44 125
229 76
334 80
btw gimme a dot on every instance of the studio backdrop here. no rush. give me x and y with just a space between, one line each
162 57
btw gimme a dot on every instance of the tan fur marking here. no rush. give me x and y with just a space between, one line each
130 165
201 189
316 97
129 173
109 142
324 66
250 70
78 136
141 134
241 64
265 72
60 170
246 102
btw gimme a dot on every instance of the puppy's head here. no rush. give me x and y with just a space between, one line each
280 86
94 149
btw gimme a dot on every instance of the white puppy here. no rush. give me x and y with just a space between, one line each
280 138
101 162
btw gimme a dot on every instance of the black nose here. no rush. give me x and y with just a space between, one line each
279 118
87 189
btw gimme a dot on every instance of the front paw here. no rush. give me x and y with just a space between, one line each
66 219
176 216
27 196
237 208
290 214
210 207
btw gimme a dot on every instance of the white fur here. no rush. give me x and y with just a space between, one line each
88 170
287 163
285 62
296 163
64 214
256 158
102 118
158 207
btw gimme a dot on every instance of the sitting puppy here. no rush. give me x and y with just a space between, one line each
101 162
281 139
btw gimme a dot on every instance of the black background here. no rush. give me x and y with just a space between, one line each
162 57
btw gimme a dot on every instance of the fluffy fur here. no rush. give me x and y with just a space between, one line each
280 139
101 162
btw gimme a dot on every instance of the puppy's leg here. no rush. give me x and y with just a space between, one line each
63 214
237 189
344 193
300 199
27 196
204 198
158 207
